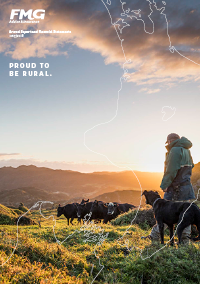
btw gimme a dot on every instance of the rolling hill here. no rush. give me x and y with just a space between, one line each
29 196
31 183
122 196
28 184
72 182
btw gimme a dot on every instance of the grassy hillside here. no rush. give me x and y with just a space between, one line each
9 216
196 179
39 259
144 219
196 173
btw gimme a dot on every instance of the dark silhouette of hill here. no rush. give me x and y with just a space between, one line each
29 184
74 184
196 179
195 173
29 196
122 196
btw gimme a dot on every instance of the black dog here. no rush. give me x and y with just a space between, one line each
171 213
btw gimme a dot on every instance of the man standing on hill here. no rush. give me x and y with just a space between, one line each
176 180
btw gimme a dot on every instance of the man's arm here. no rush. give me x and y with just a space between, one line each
174 164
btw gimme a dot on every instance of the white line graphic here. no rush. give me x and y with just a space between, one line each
99 238
125 77
173 109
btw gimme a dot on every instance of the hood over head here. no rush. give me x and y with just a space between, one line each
182 142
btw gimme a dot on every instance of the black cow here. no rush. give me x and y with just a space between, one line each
69 211
115 209
99 211
126 206
84 201
83 208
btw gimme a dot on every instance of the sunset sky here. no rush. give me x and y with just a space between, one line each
43 119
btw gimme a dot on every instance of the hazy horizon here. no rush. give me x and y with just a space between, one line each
45 165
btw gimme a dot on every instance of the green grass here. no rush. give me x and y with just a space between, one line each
39 259
7 215
144 218
23 208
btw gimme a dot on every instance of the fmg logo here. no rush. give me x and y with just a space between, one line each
30 14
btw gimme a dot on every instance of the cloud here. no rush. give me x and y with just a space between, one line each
91 28
149 91
11 154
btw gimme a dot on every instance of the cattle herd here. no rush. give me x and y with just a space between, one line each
99 209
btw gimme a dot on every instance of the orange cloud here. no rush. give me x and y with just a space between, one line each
91 28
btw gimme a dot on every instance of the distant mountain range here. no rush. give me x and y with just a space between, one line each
29 196
28 184
122 196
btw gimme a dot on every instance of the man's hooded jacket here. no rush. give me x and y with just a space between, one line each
178 168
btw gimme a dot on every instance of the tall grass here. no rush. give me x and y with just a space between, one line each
39 259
